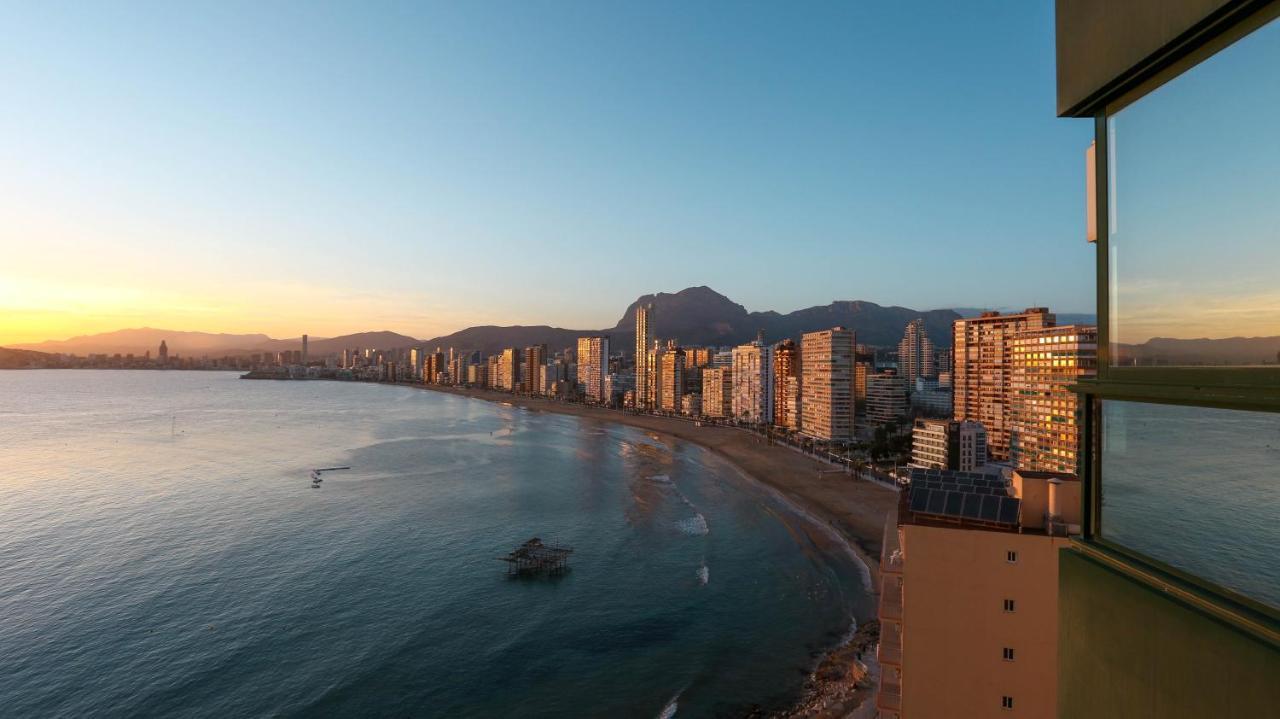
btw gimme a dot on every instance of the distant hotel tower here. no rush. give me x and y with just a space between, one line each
593 366
304 350
164 352
915 353
644 339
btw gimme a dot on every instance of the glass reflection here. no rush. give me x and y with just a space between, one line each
1194 181
1197 489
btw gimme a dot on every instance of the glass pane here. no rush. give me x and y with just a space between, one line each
1194 182
1196 488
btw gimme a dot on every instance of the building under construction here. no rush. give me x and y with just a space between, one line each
535 557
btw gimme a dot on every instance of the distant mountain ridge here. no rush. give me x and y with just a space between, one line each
692 316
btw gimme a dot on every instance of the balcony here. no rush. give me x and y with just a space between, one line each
890 602
889 696
889 652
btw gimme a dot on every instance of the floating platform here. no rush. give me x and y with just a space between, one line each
537 557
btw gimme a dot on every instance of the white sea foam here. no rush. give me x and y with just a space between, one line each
670 709
694 526
661 479
704 574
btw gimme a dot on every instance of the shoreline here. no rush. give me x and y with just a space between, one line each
849 511
852 510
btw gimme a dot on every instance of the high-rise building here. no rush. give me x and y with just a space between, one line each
509 369
305 356
983 378
717 392
826 387
164 352
535 357
671 380
915 352
416 363
948 444
1044 426
886 397
593 367
644 344
860 372
786 385
969 595
753 382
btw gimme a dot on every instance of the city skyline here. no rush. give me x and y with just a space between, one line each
172 170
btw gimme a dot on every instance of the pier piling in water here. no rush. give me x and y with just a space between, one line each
536 557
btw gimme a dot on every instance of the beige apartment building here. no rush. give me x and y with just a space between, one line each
983 370
969 597
752 399
717 392
1044 424
826 385
593 366
644 370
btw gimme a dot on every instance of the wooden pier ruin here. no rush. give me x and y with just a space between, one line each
537 557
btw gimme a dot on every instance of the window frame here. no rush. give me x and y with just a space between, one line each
1255 389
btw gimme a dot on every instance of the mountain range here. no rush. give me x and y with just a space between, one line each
693 316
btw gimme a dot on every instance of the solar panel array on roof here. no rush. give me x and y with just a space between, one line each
963 495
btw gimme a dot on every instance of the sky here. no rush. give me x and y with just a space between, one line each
422 167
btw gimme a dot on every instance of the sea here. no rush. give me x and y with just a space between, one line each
163 553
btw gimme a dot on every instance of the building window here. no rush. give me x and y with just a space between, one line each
1011 557
1006 702
1008 605
1192 175
1008 654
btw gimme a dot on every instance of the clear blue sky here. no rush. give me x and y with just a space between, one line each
422 167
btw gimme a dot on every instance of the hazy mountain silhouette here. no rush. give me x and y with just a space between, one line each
693 316
19 359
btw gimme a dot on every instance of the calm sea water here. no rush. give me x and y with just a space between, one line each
162 553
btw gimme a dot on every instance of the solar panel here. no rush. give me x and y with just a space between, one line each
937 502
990 509
971 504
919 499
1008 513
954 501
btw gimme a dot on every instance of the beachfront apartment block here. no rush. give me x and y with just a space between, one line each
752 399
593 366
671 379
786 385
826 385
969 595
717 392
644 368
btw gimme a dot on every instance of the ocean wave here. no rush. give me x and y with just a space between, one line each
704 574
